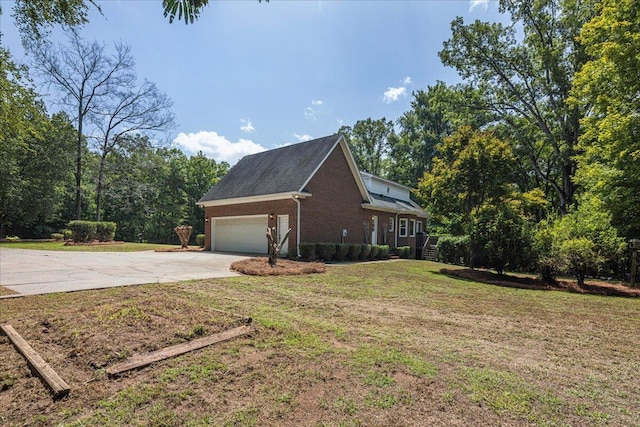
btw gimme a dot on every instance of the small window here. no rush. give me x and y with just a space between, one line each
412 228
403 227
418 227
392 224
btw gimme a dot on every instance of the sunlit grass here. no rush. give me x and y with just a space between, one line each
60 246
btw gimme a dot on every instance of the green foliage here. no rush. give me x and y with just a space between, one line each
499 236
105 231
308 251
368 141
354 251
325 251
57 236
373 253
469 168
524 70
34 18
403 251
82 231
365 250
200 240
67 234
452 249
341 251
580 242
383 251
608 84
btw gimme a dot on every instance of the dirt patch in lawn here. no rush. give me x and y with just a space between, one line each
5 291
284 267
594 287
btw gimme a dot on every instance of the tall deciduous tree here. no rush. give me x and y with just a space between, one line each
85 76
610 85
131 108
527 78
470 168
369 143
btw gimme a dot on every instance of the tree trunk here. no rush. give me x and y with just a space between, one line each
79 166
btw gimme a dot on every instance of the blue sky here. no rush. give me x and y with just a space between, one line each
250 76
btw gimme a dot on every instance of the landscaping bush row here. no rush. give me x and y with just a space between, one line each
403 251
454 249
86 231
342 251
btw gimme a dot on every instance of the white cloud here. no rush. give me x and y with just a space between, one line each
217 146
484 4
303 137
392 94
407 80
246 127
311 112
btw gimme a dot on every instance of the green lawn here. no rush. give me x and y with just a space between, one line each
371 344
60 246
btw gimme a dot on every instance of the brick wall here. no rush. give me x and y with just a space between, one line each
335 204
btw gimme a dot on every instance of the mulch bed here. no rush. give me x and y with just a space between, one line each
284 267
93 243
180 249
594 287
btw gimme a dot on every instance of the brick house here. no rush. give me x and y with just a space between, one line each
315 189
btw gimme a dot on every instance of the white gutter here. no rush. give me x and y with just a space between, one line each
296 198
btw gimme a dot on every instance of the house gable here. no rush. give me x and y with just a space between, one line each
279 174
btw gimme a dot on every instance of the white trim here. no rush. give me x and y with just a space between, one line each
412 227
392 224
374 231
406 227
420 224
254 199
418 213
297 200
386 180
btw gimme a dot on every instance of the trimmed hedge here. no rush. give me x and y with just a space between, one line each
200 240
374 251
354 251
365 250
383 251
86 231
452 249
57 236
308 251
403 251
82 231
105 231
325 251
68 234
341 251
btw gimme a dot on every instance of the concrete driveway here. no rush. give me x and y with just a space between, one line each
31 272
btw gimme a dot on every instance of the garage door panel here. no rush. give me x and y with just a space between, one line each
240 234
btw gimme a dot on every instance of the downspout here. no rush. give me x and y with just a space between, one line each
395 231
297 200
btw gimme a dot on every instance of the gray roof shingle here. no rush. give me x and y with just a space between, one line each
281 170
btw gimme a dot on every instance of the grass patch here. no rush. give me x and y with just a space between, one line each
60 246
371 344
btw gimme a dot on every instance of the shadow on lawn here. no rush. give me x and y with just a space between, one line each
592 287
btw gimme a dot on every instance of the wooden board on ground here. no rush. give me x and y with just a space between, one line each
142 360
42 368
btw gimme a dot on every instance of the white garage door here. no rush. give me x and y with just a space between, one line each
240 234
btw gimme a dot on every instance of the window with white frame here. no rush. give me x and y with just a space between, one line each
392 223
412 228
403 227
418 226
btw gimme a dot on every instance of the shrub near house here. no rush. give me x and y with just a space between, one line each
87 231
